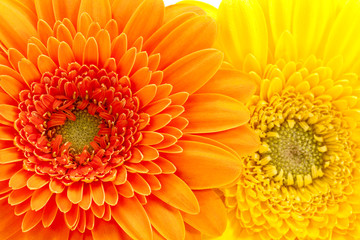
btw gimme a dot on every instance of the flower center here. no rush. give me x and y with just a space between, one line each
81 132
294 151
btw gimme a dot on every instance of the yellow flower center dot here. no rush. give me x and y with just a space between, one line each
81 132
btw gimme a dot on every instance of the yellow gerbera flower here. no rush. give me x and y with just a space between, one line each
112 114
304 182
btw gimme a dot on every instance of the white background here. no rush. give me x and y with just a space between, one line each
212 2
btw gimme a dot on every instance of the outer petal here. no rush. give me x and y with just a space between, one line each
340 37
231 83
195 34
99 10
132 218
242 28
212 217
176 193
208 112
173 227
17 25
242 139
145 20
193 71
204 166
309 25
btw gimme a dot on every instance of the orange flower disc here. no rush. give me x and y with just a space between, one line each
113 121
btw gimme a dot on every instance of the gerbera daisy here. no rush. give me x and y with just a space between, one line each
303 183
110 113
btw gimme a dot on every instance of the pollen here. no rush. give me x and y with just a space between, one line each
81 132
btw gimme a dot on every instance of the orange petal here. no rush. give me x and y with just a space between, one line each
14 57
231 83
177 194
66 9
63 34
5 70
104 230
75 192
65 54
91 52
19 179
19 196
151 138
152 181
215 167
63 202
140 78
46 64
53 48
156 107
122 173
112 28
78 47
172 11
49 213
242 139
158 121
148 152
192 71
191 233
165 165
72 216
11 86
7 133
208 112
17 25
98 211
123 10
173 227
56 186
164 30
99 11
37 181
141 60
212 217
97 192
85 202
10 155
44 11
9 112
39 198
111 194
125 190
103 40
145 20
146 94
132 218
139 184
9 223
45 31
30 220
193 35
127 62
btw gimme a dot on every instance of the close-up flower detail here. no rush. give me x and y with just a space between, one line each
116 121
304 181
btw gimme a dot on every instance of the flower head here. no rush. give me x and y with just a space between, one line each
110 115
303 182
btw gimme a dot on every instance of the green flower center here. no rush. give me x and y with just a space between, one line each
294 151
81 132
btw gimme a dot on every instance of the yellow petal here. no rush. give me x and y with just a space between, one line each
243 30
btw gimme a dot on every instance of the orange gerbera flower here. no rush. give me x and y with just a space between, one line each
110 115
